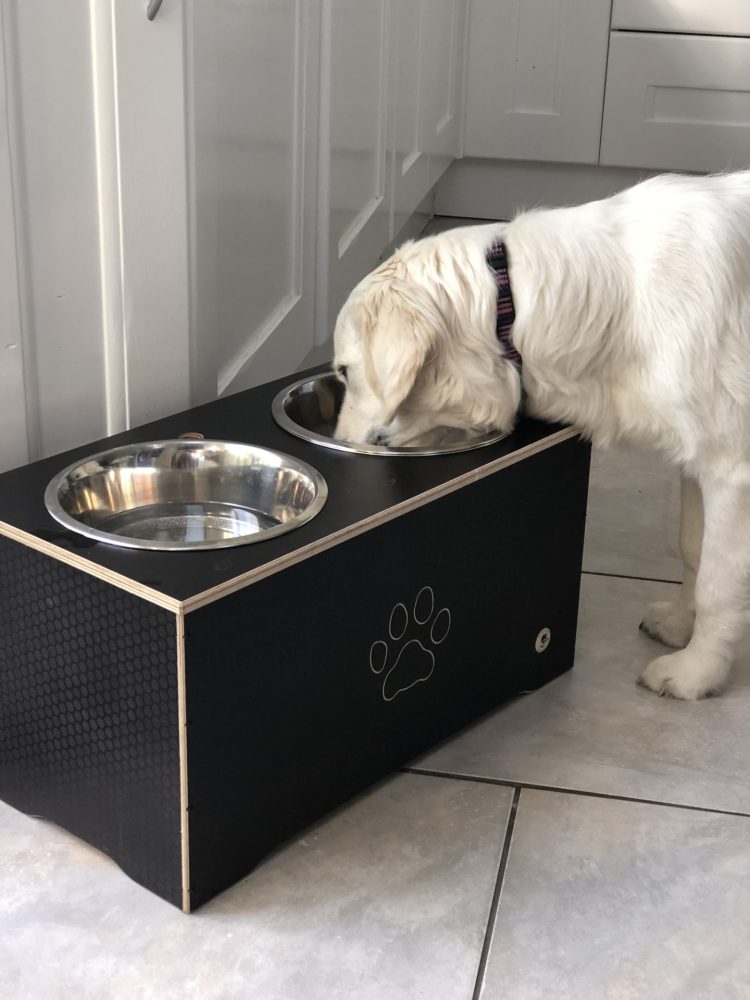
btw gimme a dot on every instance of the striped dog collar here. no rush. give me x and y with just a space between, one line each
497 258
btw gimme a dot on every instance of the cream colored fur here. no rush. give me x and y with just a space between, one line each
633 321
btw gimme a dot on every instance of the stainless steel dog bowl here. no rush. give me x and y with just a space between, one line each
309 409
185 494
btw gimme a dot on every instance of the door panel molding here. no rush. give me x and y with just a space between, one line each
356 160
149 74
410 103
106 127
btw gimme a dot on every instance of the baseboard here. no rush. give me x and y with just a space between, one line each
499 189
414 225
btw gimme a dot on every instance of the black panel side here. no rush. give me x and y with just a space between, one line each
89 732
310 685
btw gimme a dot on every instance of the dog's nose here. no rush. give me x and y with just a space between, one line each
377 437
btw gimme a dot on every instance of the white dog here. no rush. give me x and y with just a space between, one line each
632 321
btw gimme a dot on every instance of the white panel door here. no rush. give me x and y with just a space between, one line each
535 85
677 102
96 153
444 25
411 107
427 49
146 210
50 233
354 216
93 254
253 149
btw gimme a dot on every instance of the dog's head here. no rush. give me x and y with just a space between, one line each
418 355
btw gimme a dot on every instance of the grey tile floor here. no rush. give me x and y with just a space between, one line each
586 841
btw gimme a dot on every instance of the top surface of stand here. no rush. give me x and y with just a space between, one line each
364 491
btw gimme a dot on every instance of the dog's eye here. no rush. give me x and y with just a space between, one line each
341 372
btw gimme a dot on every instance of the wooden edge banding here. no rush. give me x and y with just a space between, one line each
107 575
182 723
390 514
268 569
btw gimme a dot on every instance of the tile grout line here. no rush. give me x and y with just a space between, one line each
492 918
531 786
625 576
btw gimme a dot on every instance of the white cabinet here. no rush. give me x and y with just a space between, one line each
677 102
717 17
535 82
253 79
677 94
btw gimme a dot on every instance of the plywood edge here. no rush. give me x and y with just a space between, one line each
182 723
93 569
382 517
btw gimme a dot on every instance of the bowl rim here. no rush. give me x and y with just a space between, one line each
56 510
279 413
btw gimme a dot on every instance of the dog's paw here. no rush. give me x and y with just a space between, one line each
684 675
414 657
669 622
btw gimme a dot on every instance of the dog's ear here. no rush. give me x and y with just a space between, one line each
401 334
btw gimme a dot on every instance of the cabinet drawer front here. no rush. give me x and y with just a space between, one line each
677 102
719 17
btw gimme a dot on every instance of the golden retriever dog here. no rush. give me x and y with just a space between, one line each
630 319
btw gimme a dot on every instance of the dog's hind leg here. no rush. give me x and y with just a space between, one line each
671 622
702 667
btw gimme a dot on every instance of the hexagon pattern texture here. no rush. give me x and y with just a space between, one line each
89 732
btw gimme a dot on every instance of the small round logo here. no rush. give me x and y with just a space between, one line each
543 640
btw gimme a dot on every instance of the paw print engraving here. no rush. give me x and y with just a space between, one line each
406 661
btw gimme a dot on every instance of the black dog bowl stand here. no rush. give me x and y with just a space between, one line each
187 712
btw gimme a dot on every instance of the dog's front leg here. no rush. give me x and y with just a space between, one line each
671 622
702 667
